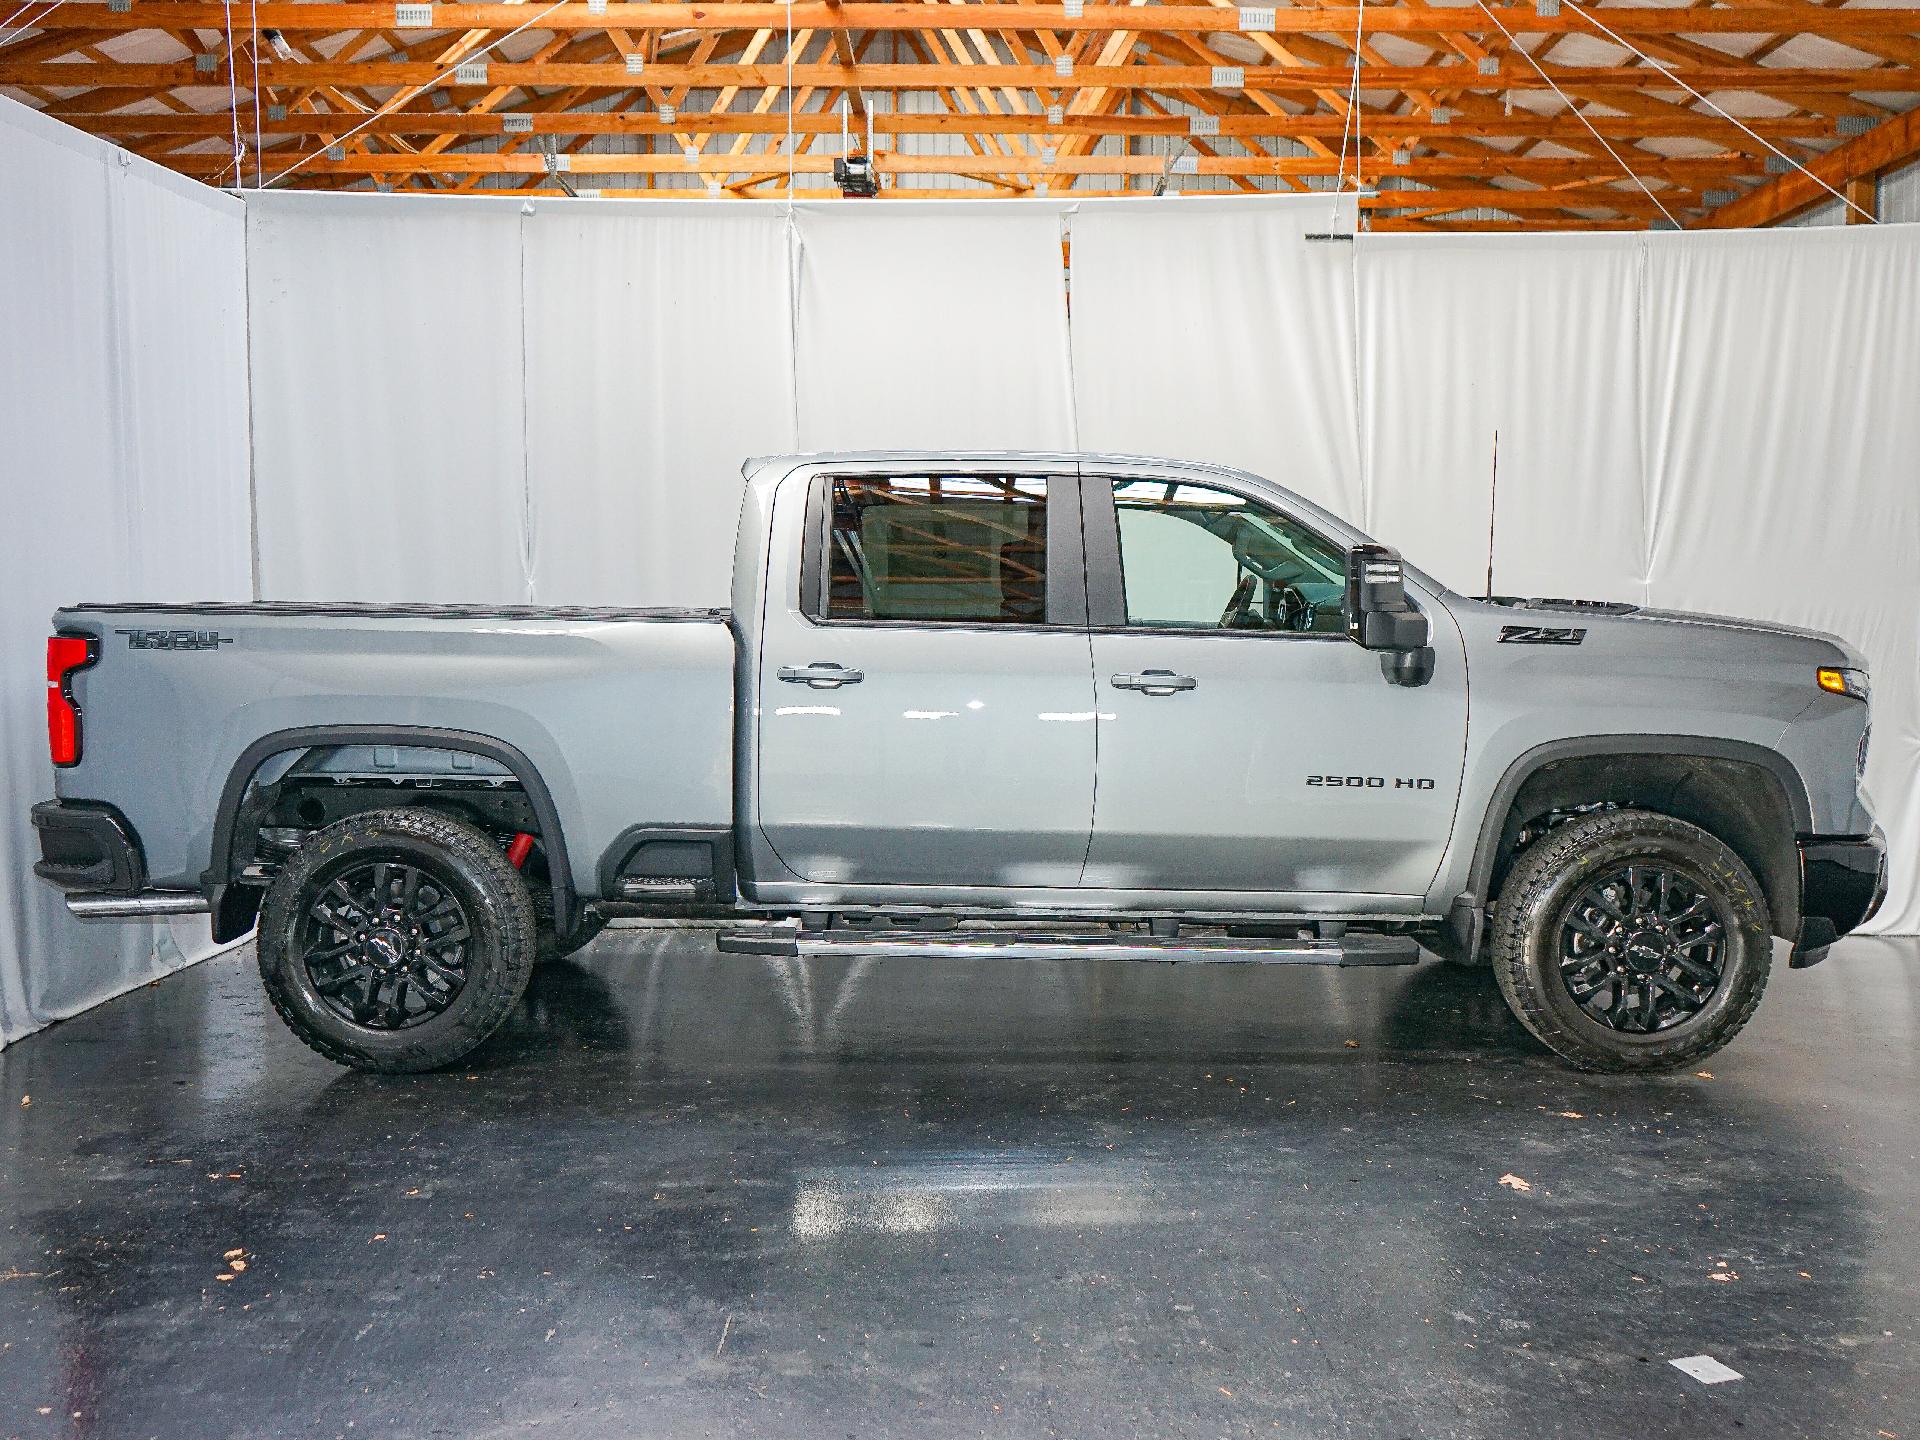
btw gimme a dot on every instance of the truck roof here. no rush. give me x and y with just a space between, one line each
758 463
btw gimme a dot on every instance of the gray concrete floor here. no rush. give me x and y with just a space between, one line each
687 1194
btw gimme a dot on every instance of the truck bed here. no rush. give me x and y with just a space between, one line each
623 717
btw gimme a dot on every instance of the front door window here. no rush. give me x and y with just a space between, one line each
1197 558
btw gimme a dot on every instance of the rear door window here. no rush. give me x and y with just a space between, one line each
968 549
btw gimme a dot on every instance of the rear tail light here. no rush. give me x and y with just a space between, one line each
67 655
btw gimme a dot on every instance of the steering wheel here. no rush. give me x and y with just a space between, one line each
1296 611
1237 611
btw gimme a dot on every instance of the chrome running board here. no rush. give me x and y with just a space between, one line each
143 905
1349 949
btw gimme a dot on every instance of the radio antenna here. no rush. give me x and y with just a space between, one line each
1493 496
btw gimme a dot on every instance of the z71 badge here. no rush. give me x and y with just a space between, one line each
175 639
1542 634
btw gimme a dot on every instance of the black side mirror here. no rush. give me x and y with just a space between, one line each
1380 617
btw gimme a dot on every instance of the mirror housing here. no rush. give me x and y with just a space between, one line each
1380 617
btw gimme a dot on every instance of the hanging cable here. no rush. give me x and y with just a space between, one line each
1580 115
32 24
406 95
233 103
258 145
1620 39
789 60
1351 123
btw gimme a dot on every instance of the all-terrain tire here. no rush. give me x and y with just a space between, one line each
1539 894
484 890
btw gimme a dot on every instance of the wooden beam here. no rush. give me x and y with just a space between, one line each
1863 201
1332 21
1889 144
122 124
379 74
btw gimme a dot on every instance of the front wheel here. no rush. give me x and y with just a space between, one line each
396 940
1630 940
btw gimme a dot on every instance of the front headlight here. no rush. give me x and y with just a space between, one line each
1843 682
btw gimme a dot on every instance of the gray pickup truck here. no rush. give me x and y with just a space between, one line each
997 705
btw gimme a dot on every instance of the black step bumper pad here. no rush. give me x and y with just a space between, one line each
88 845
1843 879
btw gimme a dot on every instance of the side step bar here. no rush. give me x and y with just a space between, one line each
1350 949
144 904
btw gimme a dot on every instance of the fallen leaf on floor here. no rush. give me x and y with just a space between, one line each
223 1278
1226 1392
1703 1074
1571 1115
1724 1275
234 1254
1514 1182
377 1237
25 1101
1353 1044
236 1266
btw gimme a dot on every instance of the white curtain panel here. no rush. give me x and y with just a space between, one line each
1216 330
659 354
389 420
1782 394
931 325
124 466
1520 346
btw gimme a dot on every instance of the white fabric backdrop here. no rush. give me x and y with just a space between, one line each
124 469
389 409
1214 330
658 357
545 402
1681 420
936 325
1532 338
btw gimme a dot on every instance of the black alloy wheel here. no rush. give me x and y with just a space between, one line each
385 943
1642 947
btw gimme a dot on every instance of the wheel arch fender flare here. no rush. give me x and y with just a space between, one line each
1793 795
219 873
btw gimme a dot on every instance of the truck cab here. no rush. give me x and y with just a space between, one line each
956 659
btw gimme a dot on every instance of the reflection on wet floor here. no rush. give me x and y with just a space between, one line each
690 1193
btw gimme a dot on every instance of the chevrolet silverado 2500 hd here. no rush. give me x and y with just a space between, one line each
997 705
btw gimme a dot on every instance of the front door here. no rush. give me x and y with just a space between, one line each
926 697
1245 743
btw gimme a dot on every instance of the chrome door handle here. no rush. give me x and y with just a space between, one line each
1155 682
821 675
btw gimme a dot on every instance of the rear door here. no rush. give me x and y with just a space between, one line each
1245 743
926 697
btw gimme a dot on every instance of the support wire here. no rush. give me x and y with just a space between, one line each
406 95
1580 115
1667 73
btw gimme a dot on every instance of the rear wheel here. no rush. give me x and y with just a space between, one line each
1631 941
396 940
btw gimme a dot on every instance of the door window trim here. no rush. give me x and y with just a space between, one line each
1066 562
1106 587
